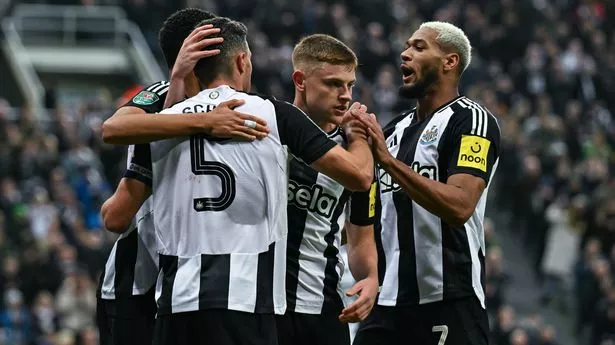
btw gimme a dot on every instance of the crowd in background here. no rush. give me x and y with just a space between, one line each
545 68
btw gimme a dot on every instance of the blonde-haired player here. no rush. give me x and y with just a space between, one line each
319 207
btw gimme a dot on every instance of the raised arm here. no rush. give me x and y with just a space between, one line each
353 168
455 200
131 125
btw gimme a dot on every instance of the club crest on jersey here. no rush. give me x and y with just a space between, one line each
145 98
313 199
214 95
429 135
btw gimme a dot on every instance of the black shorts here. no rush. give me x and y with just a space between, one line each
215 327
458 322
309 329
126 321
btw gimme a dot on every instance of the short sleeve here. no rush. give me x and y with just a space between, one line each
474 137
151 99
363 206
302 136
140 164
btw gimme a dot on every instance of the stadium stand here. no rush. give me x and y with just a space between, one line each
545 68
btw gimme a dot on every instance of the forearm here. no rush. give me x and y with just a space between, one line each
443 200
176 93
362 254
361 157
139 128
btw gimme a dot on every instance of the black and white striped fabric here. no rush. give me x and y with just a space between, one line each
132 266
425 259
221 218
317 209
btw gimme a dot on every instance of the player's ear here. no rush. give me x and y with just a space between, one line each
241 61
299 80
450 62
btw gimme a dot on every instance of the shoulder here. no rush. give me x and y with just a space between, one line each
472 113
389 128
158 87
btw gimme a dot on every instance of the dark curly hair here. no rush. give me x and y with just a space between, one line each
175 30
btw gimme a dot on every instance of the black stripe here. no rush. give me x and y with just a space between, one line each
125 261
408 291
307 176
215 281
101 280
332 299
168 265
264 281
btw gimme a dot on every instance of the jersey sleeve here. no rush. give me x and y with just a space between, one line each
475 142
151 99
139 164
363 206
302 136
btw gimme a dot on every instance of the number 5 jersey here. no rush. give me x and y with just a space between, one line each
220 207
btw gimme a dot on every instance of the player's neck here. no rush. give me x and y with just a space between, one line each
324 124
434 100
220 81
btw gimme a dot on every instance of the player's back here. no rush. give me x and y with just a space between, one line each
220 196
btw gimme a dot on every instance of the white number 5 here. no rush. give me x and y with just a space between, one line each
444 330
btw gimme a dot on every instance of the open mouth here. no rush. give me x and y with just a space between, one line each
407 73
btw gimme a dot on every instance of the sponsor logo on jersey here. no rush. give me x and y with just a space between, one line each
145 98
473 152
313 199
386 182
388 185
429 135
429 171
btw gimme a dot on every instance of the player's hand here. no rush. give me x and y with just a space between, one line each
224 122
354 129
192 50
367 289
376 136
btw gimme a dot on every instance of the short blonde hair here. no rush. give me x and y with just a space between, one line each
453 38
320 48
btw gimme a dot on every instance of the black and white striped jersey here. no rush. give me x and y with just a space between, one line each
132 266
221 217
427 260
317 209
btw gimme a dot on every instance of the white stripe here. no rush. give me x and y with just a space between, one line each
279 277
480 117
163 91
186 285
242 282
389 234
473 131
147 260
311 277
108 285
428 226
485 117
159 87
154 86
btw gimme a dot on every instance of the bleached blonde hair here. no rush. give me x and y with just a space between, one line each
450 37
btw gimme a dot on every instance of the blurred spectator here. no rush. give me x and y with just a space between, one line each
76 302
